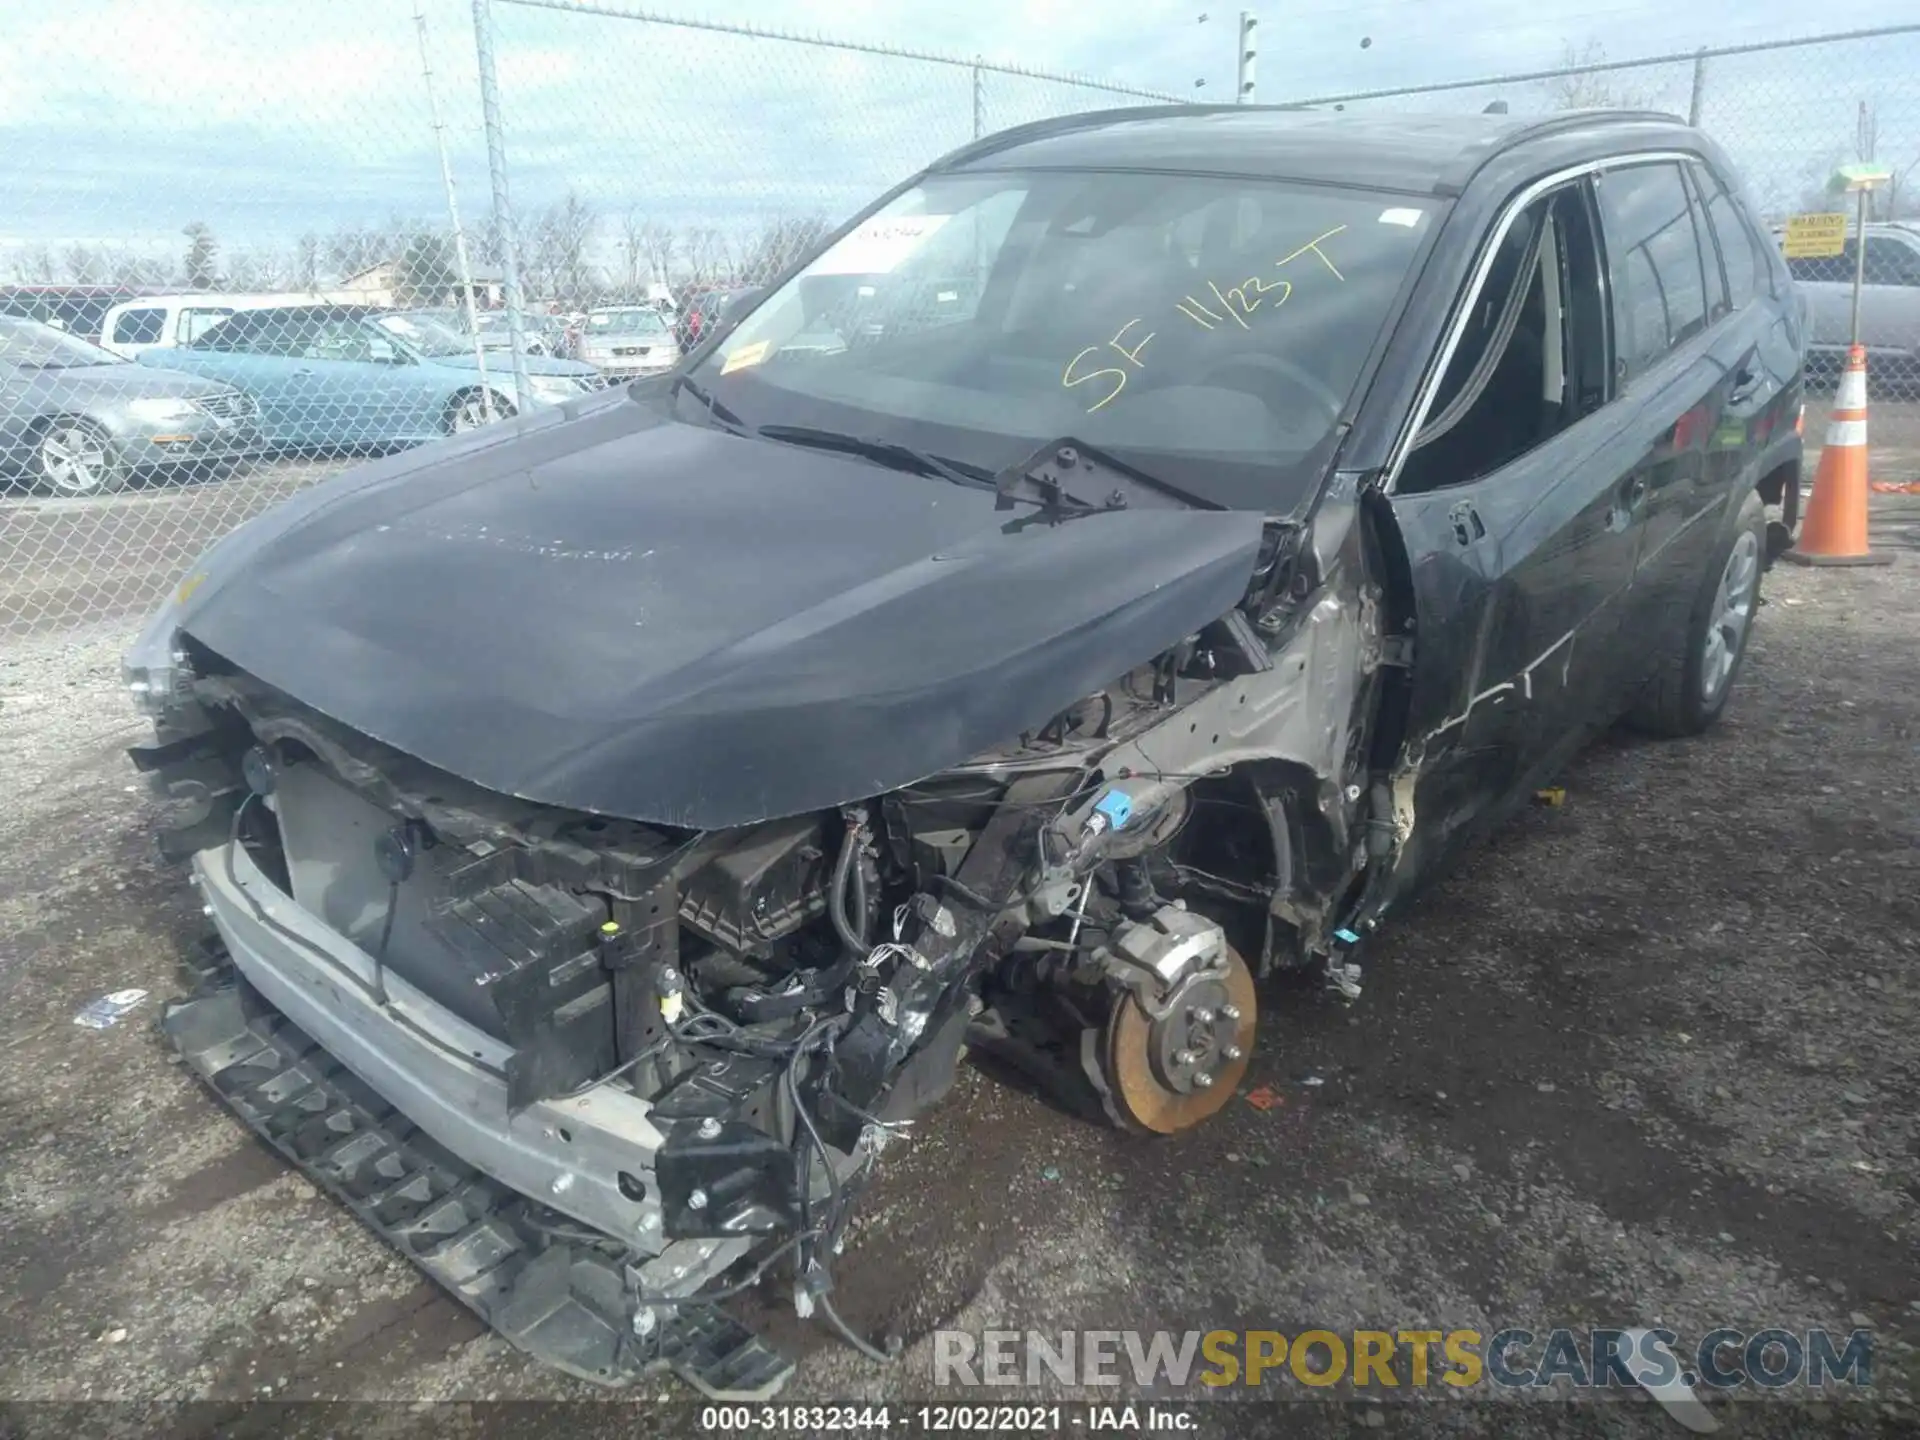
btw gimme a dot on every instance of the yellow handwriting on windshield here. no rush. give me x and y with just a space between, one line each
1314 246
1233 305
1112 373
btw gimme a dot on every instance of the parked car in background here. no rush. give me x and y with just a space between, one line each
166 322
79 420
545 334
76 309
626 341
341 377
1889 303
707 308
624 826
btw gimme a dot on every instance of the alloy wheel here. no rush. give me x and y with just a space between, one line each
1732 614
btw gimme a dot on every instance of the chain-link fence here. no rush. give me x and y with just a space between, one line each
1789 113
246 246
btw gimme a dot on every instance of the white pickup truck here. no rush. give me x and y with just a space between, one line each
1889 303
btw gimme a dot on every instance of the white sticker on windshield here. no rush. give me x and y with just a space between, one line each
1401 215
878 246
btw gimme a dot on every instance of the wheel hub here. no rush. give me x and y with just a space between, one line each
1169 1070
1198 1035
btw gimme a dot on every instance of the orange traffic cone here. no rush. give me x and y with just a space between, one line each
1834 531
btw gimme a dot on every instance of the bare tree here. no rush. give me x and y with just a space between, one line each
561 239
306 262
779 243
633 227
82 265
705 250
350 250
34 265
1893 199
657 245
258 269
1593 90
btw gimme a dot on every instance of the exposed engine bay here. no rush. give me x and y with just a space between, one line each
773 1004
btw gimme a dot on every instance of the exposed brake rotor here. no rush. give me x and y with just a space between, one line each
1169 1073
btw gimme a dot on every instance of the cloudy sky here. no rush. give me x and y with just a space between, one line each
122 120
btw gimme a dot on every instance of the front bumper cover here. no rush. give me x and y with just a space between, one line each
381 1107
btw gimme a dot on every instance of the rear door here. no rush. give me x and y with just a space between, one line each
260 351
1677 365
1753 346
197 319
1512 508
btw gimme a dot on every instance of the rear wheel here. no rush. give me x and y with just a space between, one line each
1691 687
77 457
468 411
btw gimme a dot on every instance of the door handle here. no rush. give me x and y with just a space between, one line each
303 372
1467 524
1633 493
1745 384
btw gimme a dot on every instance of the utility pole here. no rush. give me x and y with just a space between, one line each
502 205
453 214
1243 90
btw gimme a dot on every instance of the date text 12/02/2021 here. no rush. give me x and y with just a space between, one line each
1231 305
974 1419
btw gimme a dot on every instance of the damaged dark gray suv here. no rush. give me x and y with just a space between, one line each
1121 564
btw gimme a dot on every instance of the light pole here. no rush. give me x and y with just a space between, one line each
1243 89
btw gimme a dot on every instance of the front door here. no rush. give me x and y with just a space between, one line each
1517 509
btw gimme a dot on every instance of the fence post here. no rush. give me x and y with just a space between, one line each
502 204
460 259
1699 85
979 98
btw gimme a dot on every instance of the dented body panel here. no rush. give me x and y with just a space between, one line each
667 622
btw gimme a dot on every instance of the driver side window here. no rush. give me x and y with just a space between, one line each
344 340
1532 360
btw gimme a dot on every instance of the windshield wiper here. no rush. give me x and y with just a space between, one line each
885 452
716 412
1043 480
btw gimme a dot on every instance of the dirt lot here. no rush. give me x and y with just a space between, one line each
1651 1057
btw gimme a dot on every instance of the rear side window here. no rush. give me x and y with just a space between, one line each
1741 258
196 321
1653 254
249 333
139 327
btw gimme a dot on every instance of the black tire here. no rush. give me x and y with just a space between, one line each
462 407
74 456
1679 700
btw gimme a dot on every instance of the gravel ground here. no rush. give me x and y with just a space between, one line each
1649 1057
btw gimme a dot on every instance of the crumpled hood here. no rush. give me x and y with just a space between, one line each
610 610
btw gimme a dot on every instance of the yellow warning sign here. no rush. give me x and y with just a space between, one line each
1809 237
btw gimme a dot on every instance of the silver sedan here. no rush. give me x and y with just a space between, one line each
625 341
79 420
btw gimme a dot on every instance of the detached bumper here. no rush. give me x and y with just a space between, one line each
398 1111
